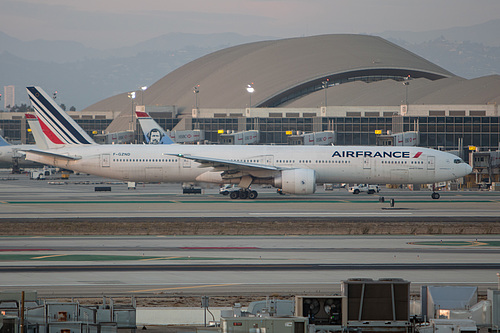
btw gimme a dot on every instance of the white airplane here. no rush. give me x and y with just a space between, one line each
11 156
153 133
293 169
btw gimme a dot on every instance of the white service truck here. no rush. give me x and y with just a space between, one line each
370 189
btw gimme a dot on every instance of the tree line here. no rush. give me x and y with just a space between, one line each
26 108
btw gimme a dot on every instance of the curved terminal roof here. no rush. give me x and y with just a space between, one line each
290 72
453 91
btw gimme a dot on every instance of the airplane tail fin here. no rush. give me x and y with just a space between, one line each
3 142
153 133
56 124
41 136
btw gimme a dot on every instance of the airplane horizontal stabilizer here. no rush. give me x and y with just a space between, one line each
50 154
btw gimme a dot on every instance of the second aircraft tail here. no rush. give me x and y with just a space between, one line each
56 124
153 133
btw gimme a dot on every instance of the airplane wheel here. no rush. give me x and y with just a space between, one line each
435 195
252 195
235 195
244 194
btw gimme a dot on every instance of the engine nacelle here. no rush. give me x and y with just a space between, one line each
296 181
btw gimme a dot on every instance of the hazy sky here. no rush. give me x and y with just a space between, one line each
114 23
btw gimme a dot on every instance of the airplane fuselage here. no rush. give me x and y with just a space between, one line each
332 164
11 152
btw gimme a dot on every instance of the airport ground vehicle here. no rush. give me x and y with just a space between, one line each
370 189
226 189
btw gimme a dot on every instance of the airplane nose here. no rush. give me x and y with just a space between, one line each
468 169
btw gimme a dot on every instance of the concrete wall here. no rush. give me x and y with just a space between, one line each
489 110
175 316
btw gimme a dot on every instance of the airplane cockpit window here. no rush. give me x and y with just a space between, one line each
458 161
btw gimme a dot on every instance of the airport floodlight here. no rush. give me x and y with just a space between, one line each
143 89
196 90
324 85
250 90
131 95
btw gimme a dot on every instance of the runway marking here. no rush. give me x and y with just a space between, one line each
15 256
160 258
51 256
219 247
476 243
332 213
458 243
190 287
25 250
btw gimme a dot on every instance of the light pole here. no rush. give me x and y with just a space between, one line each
131 95
250 90
143 89
406 83
196 91
324 84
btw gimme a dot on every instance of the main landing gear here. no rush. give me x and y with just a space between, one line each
434 194
244 194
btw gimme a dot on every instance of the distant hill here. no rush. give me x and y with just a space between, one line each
69 51
484 33
179 41
469 52
47 51
466 59
83 76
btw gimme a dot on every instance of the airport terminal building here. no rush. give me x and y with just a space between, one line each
354 85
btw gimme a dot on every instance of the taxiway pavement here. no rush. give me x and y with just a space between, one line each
21 198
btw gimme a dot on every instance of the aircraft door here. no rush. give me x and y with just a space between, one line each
431 161
105 160
367 163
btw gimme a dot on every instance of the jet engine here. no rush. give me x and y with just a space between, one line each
296 181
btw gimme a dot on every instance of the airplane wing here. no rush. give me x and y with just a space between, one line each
225 165
50 154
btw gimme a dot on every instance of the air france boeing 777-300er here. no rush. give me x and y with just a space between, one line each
293 169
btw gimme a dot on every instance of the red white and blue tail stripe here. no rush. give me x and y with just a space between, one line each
57 125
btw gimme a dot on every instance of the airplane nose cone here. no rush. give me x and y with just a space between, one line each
468 169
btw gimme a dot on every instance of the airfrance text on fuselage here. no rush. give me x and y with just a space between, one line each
368 153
